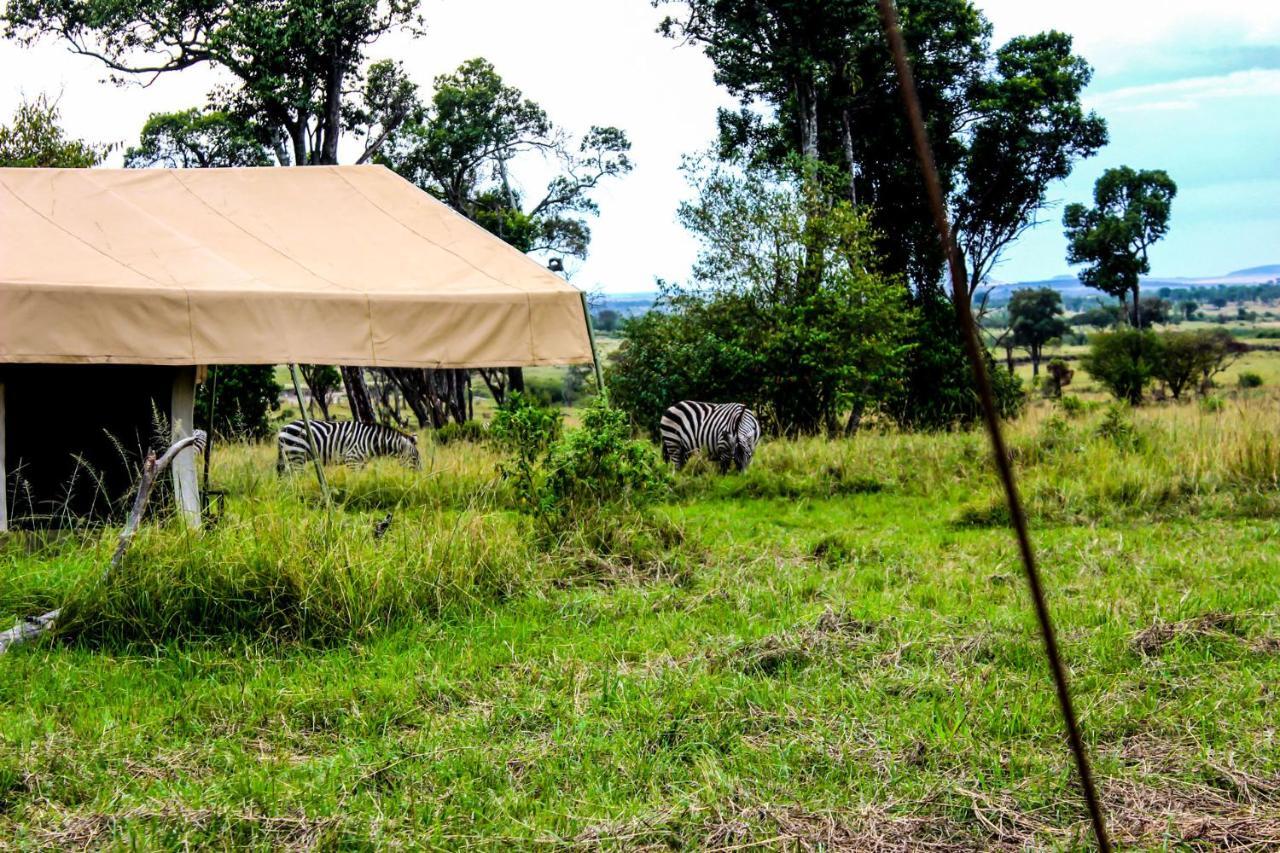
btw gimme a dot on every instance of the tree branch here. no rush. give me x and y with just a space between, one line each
29 629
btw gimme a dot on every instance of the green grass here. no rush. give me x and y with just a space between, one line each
834 650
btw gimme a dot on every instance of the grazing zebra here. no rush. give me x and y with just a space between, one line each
343 441
726 432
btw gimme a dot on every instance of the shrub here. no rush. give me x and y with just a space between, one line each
525 431
1249 379
563 478
1211 404
1072 405
1123 361
1189 358
1118 428
599 463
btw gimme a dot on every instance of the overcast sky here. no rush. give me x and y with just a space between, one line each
1190 87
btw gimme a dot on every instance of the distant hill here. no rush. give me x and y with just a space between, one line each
1070 285
1268 272
631 304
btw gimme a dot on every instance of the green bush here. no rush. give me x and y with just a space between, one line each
600 463
1123 361
1071 405
563 478
1249 379
1117 426
247 394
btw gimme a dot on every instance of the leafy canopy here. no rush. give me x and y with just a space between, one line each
198 139
1131 211
34 139
463 146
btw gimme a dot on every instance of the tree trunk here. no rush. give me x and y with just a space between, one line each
807 99
1137 308
1008 357
358 395
332 112
495 380
515 379
1035 361
847 134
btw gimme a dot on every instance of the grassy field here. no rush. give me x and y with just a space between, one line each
832 651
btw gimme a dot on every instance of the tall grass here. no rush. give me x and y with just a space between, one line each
279 563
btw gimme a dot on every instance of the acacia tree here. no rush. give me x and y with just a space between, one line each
1131 212
34 139
462 148
1035 317
298 65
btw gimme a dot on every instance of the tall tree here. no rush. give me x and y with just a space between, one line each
35 139
1131 212
463 148
298 65
1003 125
1035 317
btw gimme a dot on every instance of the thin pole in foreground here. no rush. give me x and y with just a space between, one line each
591 336
208 447
964 314
311 438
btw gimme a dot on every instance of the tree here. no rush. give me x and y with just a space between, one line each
463 147
202 139
607 320
1130 213
1154 311
298 66
1099 317
1035 316
1123 361
246 395
802 353
34 139
1188 309
1003 124
322 381
1060 375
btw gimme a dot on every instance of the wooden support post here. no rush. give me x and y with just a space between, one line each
591 336
4 483
182 415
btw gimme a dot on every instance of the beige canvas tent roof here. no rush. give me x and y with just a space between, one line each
333 265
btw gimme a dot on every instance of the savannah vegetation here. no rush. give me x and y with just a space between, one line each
545 637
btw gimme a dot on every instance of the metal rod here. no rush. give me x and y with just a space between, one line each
208 447
964 315
311 439
591 336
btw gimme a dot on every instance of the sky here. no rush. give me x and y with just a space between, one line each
1189 87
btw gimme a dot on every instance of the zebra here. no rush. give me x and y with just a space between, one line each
726 432
343 441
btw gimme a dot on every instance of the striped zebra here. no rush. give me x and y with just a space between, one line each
726 432
343 441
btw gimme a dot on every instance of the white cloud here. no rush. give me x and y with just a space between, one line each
1191 93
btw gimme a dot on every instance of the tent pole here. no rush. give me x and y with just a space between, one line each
591 336
311 438
208 445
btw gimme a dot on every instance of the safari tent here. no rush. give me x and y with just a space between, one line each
118 286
